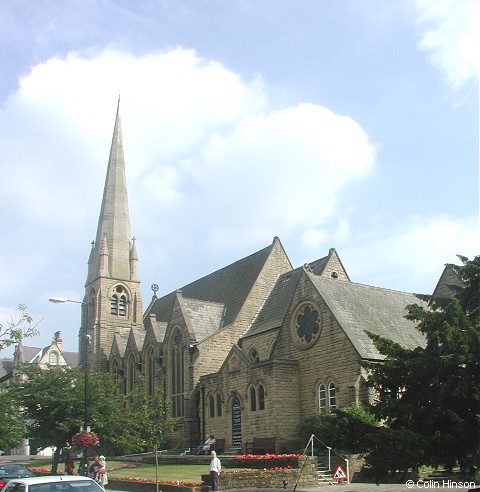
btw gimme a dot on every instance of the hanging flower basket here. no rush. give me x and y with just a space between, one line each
85 439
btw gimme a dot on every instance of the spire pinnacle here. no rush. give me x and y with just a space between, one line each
113 231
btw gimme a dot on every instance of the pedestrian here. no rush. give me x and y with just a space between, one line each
215 469
69 464
94 468
205 447
101 471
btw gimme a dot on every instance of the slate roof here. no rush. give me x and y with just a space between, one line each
71 358
6 367
206 317
32 354
276 306
447 283
359 307
228 286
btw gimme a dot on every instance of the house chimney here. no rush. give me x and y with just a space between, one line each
58 340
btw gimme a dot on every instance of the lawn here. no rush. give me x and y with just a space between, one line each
186 473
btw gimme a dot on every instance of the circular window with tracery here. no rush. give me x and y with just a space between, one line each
306 325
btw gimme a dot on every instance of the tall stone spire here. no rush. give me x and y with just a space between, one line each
114 221
113 301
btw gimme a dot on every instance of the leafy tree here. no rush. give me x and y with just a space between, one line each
11 422
18 329
152 420
53 407
347 429
434 392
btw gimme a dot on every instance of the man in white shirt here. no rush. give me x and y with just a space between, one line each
215 469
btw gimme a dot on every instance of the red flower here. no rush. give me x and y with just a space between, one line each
85 439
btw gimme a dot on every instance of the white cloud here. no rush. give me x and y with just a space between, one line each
418 245
204 151
452 37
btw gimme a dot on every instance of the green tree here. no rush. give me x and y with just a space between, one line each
152 419
347 429
11 422
53 407
434 392
16 330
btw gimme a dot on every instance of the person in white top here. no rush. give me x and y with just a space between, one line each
215 469
205 447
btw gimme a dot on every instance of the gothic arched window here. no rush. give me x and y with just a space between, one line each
177 373
253 355
211 406
253 399
131 376
322 399
150 371
332 397
261 397
219 405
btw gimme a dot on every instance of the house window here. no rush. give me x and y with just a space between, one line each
53 359
332 397
253 399
177 373
219 405
322 400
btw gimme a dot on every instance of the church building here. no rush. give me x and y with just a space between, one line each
249 350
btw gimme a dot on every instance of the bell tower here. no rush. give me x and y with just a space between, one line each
113 301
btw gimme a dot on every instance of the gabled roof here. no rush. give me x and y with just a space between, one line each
136 337
32 355
359 307
119 344
228 286
277 304
447 283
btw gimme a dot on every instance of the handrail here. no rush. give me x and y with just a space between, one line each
330 449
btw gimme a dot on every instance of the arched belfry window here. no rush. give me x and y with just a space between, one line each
119 301
177 372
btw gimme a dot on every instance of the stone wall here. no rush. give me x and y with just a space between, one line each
304 476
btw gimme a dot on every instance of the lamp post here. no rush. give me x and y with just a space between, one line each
59 300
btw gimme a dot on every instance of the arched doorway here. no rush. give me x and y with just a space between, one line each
236 423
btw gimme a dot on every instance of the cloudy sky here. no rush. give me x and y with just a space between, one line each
346 124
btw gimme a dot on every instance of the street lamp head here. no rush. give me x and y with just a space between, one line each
57 300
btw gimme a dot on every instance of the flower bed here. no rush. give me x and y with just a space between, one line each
265 461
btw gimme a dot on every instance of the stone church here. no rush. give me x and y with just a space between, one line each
249 350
